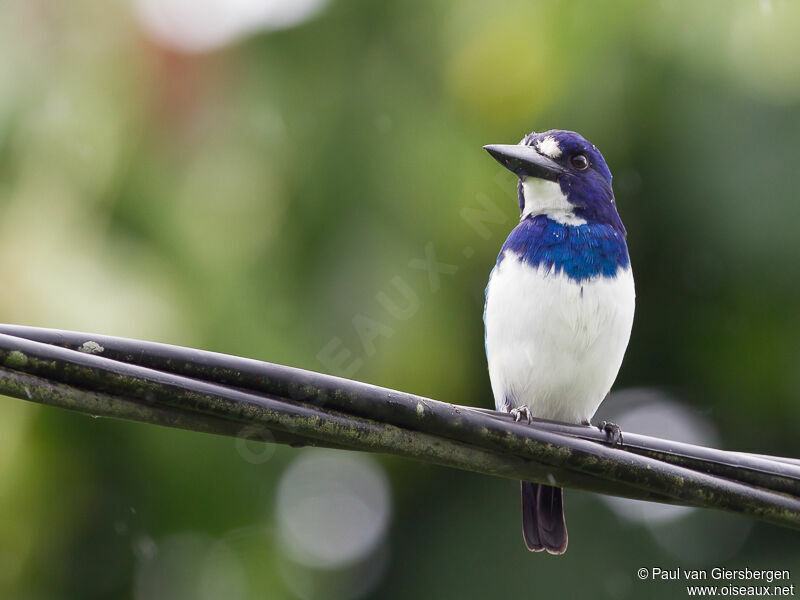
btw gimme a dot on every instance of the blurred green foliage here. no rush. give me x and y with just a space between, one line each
257 198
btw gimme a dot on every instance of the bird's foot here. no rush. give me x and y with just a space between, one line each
612 431
521 412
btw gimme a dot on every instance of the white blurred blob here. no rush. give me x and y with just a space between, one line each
199 25
652 412
144 547
705 537
255 445
695 535
190 566
335 584
333 508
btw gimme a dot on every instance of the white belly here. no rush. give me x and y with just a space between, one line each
555 345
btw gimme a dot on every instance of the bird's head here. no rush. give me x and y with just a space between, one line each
562 176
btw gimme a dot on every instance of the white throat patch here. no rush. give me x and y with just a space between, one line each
549 147
544 197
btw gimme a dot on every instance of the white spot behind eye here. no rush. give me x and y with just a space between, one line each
549 147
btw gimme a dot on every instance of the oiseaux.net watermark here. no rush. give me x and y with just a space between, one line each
396 304
720 581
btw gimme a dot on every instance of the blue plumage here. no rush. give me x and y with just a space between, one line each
581 251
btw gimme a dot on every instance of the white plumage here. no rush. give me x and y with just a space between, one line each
553 344
546 198
549 147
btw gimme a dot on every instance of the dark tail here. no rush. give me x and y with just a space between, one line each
543 524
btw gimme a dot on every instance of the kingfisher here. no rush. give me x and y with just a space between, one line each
559 303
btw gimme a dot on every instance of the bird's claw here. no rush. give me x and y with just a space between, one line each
520 413
612 431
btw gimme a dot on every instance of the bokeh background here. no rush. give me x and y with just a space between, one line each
261 177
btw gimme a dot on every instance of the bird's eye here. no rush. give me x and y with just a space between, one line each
580 162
